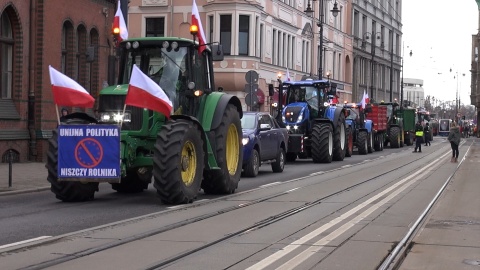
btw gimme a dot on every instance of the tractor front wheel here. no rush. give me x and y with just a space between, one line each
67 191
178 162
229 154
322 143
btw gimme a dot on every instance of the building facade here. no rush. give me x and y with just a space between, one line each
72 36
475 70
267 36
413 93
377 35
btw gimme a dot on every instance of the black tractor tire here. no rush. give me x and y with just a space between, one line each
178 162
370 142
349 151
362 142
67 191
229 154
322 143
340 139
279 164
379 142
132 183
291 157
394 137
253 165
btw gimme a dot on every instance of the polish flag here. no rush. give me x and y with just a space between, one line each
288 75
143 92
119 24
198 22
67 92
365 99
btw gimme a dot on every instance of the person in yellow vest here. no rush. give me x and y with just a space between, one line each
418 137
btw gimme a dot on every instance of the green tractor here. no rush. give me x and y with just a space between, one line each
197 147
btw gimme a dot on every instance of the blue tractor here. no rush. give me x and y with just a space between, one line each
360 127
316 127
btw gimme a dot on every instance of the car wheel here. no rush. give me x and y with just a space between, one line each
251 169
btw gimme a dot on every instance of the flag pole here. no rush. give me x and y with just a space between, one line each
123 115
58 116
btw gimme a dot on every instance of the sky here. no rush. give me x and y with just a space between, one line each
439 34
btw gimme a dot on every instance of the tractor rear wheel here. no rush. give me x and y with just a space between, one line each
178 162
362 143
229 154
67 191
322 143
370 142
339 139
394 137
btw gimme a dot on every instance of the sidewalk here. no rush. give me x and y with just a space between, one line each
449 239
26 177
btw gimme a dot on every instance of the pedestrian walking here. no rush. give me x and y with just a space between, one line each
454 139
426 131
418 137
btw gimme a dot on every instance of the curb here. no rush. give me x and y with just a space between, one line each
14 192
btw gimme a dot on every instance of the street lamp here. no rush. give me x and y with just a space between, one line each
366 36
457 98
310 12
401 91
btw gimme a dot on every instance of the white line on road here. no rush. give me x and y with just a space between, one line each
271 184
24 242
396 188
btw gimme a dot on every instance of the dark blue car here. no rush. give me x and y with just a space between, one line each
264 141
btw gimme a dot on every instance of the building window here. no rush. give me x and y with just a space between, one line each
243 34
67 49
275 46
226 33
262 40
155 27
6 56
210 27
356 24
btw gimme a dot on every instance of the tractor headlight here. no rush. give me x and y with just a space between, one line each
295 127
245 141
300 117
115 117
288 127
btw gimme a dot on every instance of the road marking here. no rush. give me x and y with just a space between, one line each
316 173
346 166
395 189
24 242
271 184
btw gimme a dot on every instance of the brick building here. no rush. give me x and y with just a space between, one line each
70 35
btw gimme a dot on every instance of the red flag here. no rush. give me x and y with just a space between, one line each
196 21
119 25
143 92
67 92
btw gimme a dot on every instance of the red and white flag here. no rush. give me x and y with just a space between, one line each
143 92
196 21
119 23
365 99
288 75
67 92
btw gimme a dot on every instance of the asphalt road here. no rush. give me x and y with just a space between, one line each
39 214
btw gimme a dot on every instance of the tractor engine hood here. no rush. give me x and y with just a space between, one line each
295 113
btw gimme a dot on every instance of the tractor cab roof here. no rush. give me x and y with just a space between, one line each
307 83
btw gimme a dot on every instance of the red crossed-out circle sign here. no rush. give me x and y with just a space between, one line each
88 153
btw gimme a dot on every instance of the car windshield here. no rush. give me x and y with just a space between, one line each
248 121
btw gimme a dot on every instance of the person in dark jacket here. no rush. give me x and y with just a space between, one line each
418 137
426 132
64 113
454 139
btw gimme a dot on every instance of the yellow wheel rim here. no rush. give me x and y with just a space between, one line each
233 152
188 163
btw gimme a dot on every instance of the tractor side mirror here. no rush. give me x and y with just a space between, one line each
217 52
271 90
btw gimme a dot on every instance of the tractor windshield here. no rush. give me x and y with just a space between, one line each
165 67
303 94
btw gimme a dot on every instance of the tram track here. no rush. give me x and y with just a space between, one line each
263 223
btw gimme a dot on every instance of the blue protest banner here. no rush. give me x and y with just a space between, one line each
89 151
